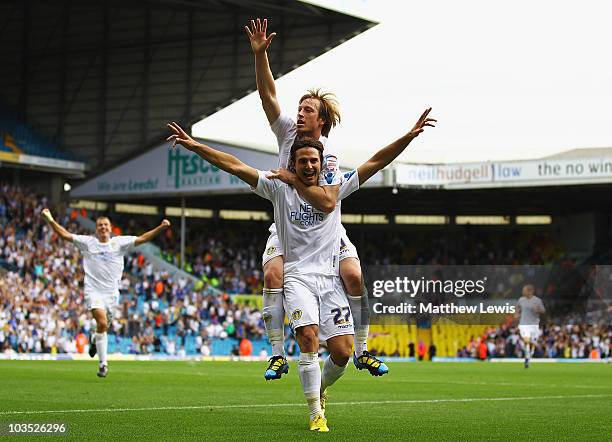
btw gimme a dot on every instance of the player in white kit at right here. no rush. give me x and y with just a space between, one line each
530 307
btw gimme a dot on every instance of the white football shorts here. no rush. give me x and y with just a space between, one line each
318 300
109 302
531 332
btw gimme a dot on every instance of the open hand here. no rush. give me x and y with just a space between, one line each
284 175
422 122
180 136
257 35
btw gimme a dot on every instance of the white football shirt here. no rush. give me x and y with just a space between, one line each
310 238
285 130
103 262
529 310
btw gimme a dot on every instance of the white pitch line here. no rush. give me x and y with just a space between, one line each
500 384
223 407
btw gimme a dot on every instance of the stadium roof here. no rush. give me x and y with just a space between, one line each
592 152
103 77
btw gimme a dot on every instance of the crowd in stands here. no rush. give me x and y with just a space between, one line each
41 301
459 245
228 258
225 256
556 341
42 307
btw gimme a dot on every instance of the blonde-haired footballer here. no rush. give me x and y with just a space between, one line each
103 266
318 112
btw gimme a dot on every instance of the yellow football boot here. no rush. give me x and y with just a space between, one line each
319 423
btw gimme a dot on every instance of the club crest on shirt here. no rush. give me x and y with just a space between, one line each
296 315
330 168
270 250
331 163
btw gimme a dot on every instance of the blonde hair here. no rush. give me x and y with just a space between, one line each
329 109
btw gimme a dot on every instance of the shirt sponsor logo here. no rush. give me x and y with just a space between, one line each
103 256
306 216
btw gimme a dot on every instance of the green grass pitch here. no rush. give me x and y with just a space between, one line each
230 400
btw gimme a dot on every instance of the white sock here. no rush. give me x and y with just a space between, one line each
331 373
274 319
310 377
527 352
101 345
361 319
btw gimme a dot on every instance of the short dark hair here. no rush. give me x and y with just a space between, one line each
103 217
306 142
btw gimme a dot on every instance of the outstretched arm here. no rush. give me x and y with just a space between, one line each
63 233
224 161
384 156
263 73
148 236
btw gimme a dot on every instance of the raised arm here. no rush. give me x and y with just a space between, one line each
386 155
263 73
62 233
148 236
224 161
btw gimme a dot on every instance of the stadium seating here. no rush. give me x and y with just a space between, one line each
392 340
450 338
18 137
41 311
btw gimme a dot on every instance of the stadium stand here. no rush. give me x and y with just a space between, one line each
571 340
20 138
42 305
464 245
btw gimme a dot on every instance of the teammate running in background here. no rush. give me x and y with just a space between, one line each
103 266
318 113
530 307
